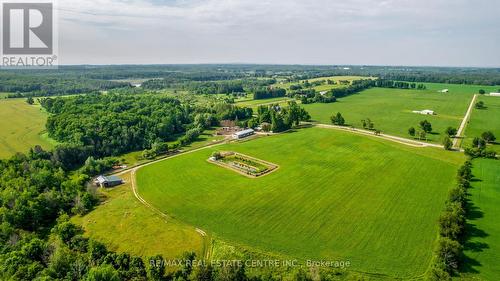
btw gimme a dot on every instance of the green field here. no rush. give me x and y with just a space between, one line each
391 109
22 127
325 87
335 196
126 225
482 249
487 119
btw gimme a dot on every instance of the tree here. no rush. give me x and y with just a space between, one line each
422 135
450 131
412 131
449 252
488 136
479 105
338 119
30 101
426 126
447 143
479 143
103 273
482 92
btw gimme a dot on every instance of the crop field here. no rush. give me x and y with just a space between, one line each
482 249
22 127
487 119
125 225
391 110
335 196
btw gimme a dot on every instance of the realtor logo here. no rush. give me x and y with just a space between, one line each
28 38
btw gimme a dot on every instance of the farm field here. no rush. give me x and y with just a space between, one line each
325 87
482 249
125 225
487 119
335 196
22 127
391 109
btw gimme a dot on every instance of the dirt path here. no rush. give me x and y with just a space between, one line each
461 129
392 138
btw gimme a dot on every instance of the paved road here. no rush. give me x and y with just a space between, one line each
461 129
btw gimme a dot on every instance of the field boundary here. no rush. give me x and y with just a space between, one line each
392 138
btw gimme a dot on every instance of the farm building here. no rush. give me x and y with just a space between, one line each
108 181
243 134
495 94
444 91
425 112
323 93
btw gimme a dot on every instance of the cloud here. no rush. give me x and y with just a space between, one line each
222 30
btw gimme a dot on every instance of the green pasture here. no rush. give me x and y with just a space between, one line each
391 110
336 196
486 119
22 126
482 248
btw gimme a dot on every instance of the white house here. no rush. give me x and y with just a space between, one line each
243 134
425 112
495 94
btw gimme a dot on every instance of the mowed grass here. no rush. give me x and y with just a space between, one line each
335 196
391 110
126 225
21 127
482 120
482 250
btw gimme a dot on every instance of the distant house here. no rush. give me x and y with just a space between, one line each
108 181
444 91
323 93
243 134
495 94
425 112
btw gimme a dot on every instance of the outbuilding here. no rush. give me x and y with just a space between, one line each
108 181
243 134
444 91
425 112
495 94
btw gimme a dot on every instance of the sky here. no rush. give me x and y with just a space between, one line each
357 32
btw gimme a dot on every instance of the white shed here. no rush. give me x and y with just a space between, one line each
495 94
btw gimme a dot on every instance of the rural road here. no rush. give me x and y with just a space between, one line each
400 140
461 129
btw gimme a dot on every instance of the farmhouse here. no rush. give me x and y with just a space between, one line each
108 181
495 94
425 112
243 134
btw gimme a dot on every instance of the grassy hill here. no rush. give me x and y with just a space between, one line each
22 127
335 196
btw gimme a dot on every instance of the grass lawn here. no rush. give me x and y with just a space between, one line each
22 127
482 249
126 225
336 195
391 109
487 119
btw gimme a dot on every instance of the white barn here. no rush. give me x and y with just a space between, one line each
495 94
444 91
243 134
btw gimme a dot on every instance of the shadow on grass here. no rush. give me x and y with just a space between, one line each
473 244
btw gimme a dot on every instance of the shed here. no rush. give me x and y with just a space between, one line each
495 94
444 91
243 134
108 181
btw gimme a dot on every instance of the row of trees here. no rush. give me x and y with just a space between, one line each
425 128
398 84
269 92
479 146
449 251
